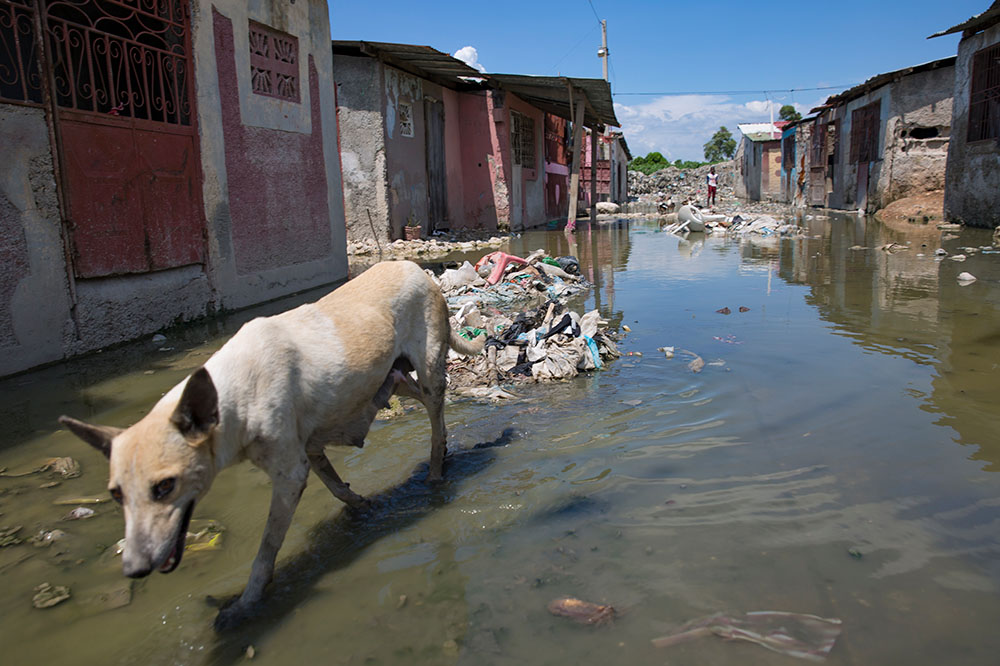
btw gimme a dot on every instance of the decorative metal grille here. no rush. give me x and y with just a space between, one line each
522 139
404 114
984 99
274 63
121 57
20 75
864 133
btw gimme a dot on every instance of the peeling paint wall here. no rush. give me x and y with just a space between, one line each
362 147
272 182
972 182
406 161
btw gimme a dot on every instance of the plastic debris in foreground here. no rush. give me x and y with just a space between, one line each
793 634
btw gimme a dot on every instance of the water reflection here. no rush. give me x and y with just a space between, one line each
909 303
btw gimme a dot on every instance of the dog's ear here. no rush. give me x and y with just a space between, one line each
97 436
197 412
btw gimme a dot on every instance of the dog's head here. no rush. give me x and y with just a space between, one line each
159 468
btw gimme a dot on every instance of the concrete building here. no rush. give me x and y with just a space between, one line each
159 167
972 183
759 161
414 140
883 140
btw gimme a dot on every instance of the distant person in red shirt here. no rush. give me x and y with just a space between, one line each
713 182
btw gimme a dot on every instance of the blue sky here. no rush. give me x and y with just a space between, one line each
677 47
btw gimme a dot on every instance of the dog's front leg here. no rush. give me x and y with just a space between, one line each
286 489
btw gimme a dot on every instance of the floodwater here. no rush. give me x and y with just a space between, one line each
838 456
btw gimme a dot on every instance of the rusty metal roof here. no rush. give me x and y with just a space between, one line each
975 24
880 80
422 61
552 95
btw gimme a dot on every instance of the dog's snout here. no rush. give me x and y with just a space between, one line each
133 570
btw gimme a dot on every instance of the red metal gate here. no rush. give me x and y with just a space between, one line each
122 92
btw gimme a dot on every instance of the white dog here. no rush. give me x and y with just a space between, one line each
282 389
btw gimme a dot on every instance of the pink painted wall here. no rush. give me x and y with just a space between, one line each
475 124
453 157
278 202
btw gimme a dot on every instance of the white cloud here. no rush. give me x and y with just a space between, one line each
470 56
678 126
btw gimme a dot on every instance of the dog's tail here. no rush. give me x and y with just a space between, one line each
466 347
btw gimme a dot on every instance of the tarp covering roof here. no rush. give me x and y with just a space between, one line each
880 80
978 22
552 95
422 61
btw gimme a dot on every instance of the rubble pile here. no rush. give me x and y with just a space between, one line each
434 246
520 305
691 219
682 184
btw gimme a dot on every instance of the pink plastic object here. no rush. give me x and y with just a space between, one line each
501 259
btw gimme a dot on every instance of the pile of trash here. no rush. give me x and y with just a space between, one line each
520 305
691 219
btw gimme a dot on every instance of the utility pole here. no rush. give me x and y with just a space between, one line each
603 53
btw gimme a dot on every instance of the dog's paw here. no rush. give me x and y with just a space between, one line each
232 615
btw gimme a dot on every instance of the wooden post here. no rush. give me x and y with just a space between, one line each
593 175
574 174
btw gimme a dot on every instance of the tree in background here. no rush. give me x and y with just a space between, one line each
648 164
722 146
788 112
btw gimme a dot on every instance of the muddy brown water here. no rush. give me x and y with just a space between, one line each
836 456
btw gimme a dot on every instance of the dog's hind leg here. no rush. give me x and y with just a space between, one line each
328 475
433 388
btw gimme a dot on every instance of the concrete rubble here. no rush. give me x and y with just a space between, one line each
532 334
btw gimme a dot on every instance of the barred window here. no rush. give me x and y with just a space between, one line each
522 139
404 113
274 63
984 101
864 133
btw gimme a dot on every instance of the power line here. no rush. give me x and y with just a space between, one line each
736 92
594 10
575 46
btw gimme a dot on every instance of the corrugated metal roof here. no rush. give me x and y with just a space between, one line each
978 22
880 80
422 61
551 94
760 131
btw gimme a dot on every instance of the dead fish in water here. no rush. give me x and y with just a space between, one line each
583 612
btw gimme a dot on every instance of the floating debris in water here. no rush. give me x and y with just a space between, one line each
793 634
80 513
966 278
8 536
47 596
583 612
44 538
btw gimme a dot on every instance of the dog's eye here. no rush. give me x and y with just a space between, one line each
116 495
163 488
